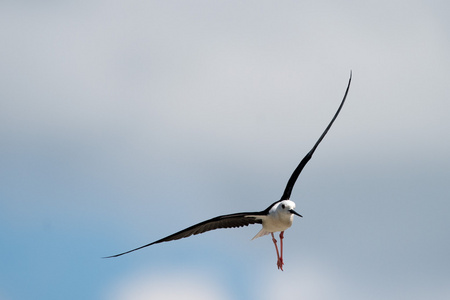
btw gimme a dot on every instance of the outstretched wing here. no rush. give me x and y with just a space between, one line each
225 221
298 170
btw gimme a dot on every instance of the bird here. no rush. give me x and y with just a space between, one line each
277 217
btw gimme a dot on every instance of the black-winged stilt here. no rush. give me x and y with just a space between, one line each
276 218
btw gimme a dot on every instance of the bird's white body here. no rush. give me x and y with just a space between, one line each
280 218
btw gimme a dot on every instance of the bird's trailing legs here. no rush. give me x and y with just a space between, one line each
279 257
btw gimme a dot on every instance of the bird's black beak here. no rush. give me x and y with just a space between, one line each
296 213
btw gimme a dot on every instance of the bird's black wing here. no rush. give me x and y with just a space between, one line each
225 221
298 170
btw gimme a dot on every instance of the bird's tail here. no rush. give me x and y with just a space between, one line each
261 233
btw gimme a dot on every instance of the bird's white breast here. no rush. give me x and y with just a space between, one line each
277 222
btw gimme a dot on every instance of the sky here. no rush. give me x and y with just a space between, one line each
122 122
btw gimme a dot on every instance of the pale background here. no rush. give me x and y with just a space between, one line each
125 121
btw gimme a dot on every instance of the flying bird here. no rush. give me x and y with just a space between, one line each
276 218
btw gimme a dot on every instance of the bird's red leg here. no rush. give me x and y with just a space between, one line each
279 260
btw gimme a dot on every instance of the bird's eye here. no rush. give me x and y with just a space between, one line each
283 206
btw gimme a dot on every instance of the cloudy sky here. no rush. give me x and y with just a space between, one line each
125 121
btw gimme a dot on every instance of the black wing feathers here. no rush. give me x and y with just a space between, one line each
225 221
298 170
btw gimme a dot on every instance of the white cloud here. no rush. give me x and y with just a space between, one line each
170 285
310 281
316 280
